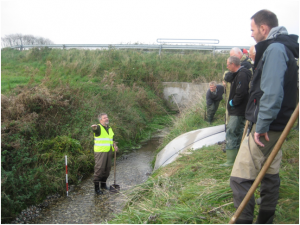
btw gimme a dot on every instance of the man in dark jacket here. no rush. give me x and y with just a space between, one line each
228 76
236 106
272 100
213 98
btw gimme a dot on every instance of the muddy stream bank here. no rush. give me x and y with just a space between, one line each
84 206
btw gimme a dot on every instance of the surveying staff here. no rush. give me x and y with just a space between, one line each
103 148
236 106
271 103
213 98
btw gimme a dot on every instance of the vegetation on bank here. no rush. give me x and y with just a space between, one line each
50 97
195 188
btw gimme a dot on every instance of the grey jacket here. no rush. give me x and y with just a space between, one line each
275 65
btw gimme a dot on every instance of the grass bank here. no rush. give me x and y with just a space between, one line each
195 189
50 97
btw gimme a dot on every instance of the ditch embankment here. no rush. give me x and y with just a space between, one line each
50 97
195 188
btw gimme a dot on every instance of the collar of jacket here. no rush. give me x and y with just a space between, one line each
245 58
290 41
235 73
107 127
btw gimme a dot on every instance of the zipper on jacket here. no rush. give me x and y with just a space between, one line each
255 107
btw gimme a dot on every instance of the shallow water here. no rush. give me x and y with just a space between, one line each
84 206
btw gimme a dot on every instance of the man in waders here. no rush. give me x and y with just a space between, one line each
236 106
228 76
272 100
103 148
213 97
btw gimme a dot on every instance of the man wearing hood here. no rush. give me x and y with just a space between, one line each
272 100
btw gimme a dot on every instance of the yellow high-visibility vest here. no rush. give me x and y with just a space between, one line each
104 142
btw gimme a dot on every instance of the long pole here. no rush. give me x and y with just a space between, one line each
224 96
67 186
225 106
245 131
115 167
266 166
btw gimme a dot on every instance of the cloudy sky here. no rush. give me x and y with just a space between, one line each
143 21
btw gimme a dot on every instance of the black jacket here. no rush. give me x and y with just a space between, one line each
239 92
246 64
210 97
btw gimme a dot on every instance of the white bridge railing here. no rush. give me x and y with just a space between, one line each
133 46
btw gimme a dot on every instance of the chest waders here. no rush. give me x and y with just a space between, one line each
102 146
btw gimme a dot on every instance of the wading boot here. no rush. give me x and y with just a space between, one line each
103 185
97 189
231 154
209 121
241 221
265 216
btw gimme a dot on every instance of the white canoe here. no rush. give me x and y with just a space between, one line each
191 140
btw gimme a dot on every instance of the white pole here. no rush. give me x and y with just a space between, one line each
66 174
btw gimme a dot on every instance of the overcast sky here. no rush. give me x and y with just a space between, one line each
143 21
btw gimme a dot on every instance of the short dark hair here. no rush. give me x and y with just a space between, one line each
265 17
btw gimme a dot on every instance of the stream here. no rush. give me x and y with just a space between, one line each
84 206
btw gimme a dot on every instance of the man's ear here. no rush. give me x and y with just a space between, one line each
264 30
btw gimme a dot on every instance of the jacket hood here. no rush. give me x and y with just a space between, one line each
278 35
275 31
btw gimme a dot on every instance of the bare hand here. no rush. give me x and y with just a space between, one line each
257 136
115 146
94 127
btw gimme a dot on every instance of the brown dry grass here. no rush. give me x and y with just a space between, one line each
28 101
171 170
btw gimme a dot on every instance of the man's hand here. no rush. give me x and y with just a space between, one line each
257 136
224 83
115 146
94 127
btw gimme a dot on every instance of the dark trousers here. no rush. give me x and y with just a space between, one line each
234 132
211 110
247 165
269 193
102 166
